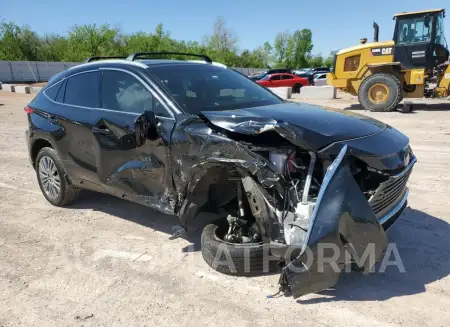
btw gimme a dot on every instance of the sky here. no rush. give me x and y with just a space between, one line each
334 24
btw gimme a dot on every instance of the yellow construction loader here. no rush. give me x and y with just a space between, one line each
414 64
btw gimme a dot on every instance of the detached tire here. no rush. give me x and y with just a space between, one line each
380 92
237 259
52 178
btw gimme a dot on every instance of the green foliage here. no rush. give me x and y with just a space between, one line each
83 41
330 59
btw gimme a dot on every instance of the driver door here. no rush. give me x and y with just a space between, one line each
129 169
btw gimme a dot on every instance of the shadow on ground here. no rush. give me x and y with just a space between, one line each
418 106
144 216
424 247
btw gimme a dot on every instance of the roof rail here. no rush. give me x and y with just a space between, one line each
100 58
136 55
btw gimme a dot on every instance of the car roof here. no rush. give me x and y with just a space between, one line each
124 64
275 74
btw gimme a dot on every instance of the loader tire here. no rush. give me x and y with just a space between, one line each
248 259
380 92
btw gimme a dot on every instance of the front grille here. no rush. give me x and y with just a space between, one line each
390 192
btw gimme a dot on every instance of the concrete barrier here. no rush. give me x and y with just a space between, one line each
36 89
8 87
22 89
282 92
317 92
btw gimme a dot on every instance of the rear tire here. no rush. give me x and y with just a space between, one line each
380 92
237 259
52 178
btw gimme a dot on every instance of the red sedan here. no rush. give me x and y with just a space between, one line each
283 79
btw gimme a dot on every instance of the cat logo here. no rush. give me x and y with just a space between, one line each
386 51
382 51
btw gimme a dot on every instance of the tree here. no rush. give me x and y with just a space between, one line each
222 43
280 45
53 47
91 40
83 41
301 48
222 39
330 59
316 61
18 43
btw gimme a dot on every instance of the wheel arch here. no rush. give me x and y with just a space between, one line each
37 145
392 68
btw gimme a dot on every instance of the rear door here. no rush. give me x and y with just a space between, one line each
136 172
343 225
286 80
78 101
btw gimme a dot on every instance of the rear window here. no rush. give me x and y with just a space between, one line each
205 87
53 90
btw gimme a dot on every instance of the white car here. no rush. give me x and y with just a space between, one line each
320 79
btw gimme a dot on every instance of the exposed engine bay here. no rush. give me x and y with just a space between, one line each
303 177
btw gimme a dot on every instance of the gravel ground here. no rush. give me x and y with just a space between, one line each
108 262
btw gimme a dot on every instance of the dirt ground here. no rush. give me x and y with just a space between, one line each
108 262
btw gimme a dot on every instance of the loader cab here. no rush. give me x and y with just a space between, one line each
419 39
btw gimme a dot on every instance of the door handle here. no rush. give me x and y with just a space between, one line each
102 130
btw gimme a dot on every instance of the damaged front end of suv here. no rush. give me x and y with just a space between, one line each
284 185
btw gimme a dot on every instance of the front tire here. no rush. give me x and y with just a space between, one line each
52 178
380 92
237 259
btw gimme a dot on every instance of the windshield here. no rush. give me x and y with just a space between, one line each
264 78
198 88
411 30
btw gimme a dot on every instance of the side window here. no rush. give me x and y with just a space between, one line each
275 78
124 92
83 90
52 91
440 38
287 77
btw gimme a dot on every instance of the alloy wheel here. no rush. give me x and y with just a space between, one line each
49 177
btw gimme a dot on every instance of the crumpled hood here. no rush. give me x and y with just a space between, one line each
312 126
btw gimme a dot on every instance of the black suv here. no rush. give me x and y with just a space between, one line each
183 136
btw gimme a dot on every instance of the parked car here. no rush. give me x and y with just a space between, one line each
286 80
308 76
320 79
279 71
320 70
182 137
271 71
256 77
